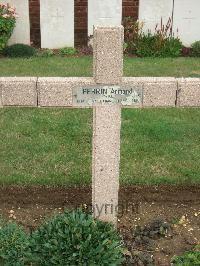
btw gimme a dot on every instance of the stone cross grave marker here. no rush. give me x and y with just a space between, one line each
106 92
106 97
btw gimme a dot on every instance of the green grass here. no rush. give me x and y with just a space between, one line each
53 146
82 66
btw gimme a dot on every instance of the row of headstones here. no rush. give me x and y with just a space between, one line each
47 92
185 17
57 20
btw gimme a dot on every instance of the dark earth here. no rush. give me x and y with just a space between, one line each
156 222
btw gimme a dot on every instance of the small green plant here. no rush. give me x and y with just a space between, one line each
190 258
67 51
19 50
196 49
145 45
75 238
161 43
175 220
155 230
132 30
7 24
14 245
46 53
172 48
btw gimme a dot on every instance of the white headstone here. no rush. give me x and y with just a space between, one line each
186 17
104 13
151 11
57 23
187 20
21 32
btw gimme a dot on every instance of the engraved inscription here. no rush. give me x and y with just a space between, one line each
107 95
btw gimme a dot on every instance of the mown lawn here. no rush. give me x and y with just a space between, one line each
82 66
53 146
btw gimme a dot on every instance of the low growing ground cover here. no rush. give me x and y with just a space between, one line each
82 66
53 146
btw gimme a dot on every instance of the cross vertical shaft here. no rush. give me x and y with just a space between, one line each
108 69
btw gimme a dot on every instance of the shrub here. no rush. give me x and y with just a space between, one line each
190 258
196 49
7 24
46 53
148 45
145 45
67 51
171 48
75 238
19 50
161 43
132 30
14 245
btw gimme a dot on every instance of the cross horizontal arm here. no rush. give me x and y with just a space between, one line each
58 92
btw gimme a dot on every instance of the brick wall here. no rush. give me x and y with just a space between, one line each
80 20
130 8
34 12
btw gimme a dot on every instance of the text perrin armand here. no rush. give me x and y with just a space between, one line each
106 91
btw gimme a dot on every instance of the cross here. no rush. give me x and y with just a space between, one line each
58 13
107 92
106 97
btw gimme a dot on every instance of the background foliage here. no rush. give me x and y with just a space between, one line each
7 24
161 43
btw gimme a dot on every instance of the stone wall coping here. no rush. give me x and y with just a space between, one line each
91 79
18 79
65 79
148 79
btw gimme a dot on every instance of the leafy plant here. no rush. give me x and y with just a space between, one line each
7 24
132 30
14 245
196 49
75 238
172 48
190 258
145 45
67 51
46 53
19 50
161 43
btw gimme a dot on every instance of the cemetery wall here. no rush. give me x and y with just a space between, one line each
30 21
80 20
